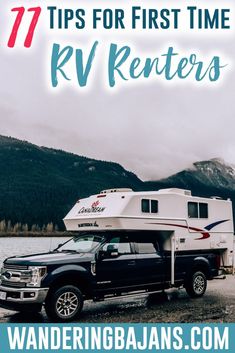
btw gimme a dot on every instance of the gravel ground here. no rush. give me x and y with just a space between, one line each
217 305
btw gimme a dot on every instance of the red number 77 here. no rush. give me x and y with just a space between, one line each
29 36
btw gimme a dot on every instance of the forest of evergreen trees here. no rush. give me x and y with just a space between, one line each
38 185
6 227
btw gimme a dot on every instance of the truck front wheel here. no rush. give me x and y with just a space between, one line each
196 285
64 304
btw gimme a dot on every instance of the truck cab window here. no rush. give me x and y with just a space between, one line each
146 248
147 244
82 244
121 244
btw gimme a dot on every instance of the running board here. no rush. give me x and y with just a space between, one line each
132 294
220 277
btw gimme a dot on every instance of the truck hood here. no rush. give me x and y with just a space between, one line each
50 258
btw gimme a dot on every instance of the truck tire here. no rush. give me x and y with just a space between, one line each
64 304
196 285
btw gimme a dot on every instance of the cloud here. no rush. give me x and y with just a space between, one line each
151 129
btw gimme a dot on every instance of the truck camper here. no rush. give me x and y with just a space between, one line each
125 243
181 222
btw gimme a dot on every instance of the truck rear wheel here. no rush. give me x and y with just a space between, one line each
64 304
196 285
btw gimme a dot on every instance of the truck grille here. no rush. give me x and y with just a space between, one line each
15 267
14 275
13 284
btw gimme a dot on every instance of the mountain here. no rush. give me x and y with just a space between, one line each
39 185
206 178
214 173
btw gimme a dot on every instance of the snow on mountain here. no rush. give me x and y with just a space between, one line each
214 172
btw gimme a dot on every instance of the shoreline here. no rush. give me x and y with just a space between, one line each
37 235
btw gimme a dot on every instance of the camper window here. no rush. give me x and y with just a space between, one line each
193 210
145 206
149 206
197 210
154 206
203 210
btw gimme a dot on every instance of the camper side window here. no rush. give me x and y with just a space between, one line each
197 210
145 206
203 210
193 210
154 206
149 206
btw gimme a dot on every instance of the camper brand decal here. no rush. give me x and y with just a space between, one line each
95 208
88 225
95 204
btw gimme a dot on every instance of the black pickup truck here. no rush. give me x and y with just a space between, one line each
100 265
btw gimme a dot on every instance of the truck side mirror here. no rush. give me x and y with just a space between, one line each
112 251
109 253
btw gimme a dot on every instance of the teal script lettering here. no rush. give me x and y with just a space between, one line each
123 66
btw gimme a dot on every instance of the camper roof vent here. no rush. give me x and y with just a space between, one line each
216 198
177 191
109 191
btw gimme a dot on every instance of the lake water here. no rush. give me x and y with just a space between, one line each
22 246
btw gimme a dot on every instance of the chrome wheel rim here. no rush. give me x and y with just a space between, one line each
199 285
67 304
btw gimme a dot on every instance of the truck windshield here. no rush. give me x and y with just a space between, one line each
83 243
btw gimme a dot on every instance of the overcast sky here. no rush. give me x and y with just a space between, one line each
153 129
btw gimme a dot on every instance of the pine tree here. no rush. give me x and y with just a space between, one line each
25 228
9 227
34 228
3 226
17 228
50 227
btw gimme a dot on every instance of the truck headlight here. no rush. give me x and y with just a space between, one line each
36 275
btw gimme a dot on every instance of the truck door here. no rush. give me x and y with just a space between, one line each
149 261
117 272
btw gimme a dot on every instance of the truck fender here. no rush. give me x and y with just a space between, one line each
69 274
200 263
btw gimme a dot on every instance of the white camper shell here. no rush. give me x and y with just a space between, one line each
181 221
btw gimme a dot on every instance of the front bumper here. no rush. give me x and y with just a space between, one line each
24 295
